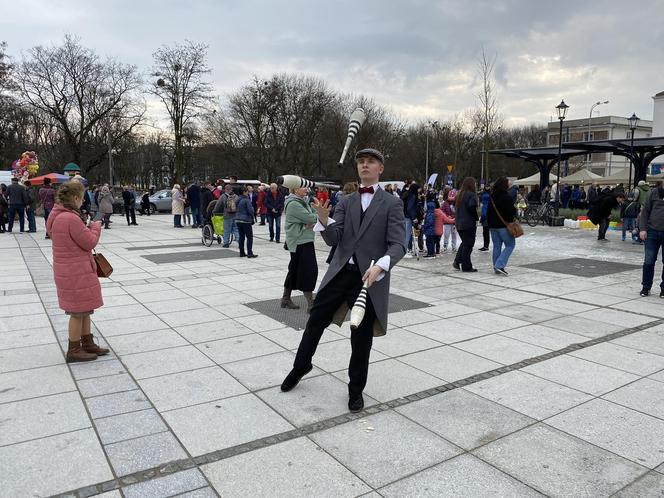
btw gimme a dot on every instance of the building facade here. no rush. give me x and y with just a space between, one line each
598 128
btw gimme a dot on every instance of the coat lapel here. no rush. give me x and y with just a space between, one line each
355 211
371 211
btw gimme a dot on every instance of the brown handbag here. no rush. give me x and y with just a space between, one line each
514 228
104 268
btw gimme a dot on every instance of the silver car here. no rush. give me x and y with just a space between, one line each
160 201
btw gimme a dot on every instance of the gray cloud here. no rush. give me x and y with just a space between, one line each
416 57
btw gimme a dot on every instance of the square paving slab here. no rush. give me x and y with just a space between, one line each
297 319
294 468
582 267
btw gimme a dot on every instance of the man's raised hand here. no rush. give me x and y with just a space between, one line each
322 210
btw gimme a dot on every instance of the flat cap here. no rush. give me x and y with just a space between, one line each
370 152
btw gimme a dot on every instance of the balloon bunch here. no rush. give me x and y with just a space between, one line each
26 166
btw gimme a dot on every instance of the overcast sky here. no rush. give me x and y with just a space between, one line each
418 58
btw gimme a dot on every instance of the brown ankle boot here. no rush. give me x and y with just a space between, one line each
76 353
89 346
287 302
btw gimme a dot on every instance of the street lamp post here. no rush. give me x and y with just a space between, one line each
591 114
633 123
426 161
562 111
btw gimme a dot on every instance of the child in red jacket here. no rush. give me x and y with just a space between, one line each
449 216
438 226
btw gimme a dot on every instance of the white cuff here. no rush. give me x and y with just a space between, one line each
319 227
384 263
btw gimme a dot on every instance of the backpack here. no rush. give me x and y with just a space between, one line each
231 204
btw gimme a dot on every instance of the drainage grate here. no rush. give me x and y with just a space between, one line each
582 267
182 257
165 246
297 319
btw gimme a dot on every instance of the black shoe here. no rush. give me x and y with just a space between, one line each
456 266
252 255
356 403
135 224
293 378
661 294
472 270
271 240
243 255
646 292
500 271
225 245
278 241
483 249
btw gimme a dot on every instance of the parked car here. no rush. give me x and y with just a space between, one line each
160 201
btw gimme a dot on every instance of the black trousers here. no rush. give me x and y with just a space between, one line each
130 212
344 287
467 243
603 227
486 236
246 231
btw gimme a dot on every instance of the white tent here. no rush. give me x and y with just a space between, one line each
6 177
620 176
581 176
533 180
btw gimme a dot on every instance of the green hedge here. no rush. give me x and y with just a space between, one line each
572 214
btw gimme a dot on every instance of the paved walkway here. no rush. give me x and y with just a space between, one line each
549 382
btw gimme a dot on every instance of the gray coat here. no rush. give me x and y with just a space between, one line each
381 233
106 203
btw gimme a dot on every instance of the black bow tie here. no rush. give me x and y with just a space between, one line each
366 190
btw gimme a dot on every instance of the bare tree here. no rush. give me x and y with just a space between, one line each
487 117
90 100
180 84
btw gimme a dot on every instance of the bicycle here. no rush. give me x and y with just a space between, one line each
536 213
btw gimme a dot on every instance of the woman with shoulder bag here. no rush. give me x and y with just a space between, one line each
75 270
500 215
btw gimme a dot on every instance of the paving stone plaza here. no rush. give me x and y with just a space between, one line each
549 382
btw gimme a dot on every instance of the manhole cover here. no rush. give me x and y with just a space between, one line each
181 257
297 319
582 267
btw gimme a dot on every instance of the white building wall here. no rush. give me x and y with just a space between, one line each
658 116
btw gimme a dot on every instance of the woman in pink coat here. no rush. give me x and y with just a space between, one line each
75 270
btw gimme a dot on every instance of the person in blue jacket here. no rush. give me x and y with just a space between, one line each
244 219
486 234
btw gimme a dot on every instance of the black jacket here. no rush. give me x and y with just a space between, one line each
206 198
466 213
505 207
271 203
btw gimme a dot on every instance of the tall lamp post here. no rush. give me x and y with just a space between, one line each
562 111
426 161
591 114
633 123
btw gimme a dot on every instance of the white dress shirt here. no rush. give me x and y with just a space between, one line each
365 198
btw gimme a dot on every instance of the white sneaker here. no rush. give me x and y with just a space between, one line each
408 255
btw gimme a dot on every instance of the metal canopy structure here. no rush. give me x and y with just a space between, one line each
641 154
544 158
